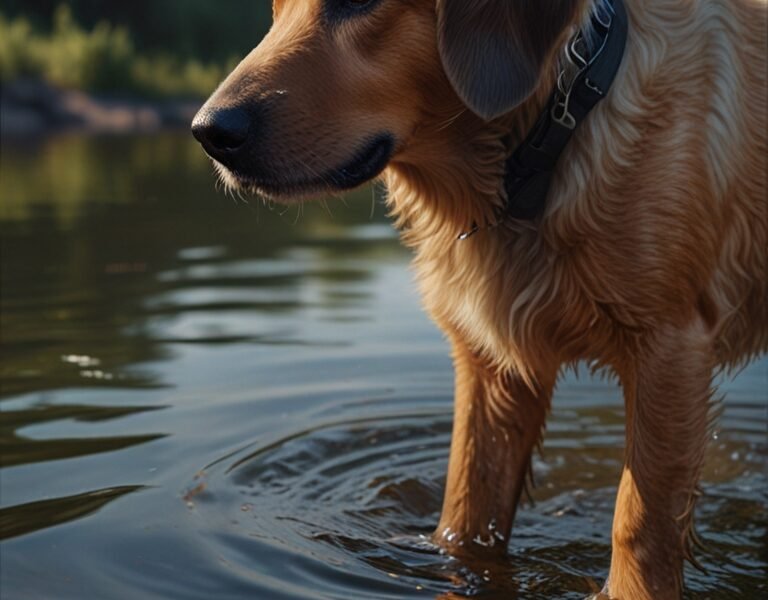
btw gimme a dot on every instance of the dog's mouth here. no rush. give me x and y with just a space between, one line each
366 164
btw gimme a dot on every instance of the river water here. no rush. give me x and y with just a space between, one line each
208 398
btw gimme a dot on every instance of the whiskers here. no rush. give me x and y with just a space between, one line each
324 204
232 188
319 186
226 182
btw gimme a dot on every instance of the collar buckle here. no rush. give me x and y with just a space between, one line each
560 113
604 15
589 65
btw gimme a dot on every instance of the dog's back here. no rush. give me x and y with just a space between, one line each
687 142
719 50
736 129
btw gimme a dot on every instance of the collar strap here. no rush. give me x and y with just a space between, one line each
588 70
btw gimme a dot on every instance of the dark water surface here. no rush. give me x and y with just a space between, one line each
208 399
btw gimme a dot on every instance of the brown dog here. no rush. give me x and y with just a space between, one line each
649 257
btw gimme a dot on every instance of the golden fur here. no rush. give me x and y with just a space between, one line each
650 258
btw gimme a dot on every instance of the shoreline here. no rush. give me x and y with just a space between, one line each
33 107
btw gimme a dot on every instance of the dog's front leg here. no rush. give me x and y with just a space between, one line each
498 420
667 392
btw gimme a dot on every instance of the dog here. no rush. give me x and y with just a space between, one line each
641 248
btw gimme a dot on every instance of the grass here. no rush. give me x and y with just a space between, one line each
102 60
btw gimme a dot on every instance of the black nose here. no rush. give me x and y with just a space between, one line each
221 131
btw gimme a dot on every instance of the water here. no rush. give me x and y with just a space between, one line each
208 399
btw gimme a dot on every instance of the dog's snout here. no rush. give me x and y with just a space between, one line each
222 131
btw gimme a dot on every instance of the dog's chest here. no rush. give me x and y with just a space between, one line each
512 302
471 289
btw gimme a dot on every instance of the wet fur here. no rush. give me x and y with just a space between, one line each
650 259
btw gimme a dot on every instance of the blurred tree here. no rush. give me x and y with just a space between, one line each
199 29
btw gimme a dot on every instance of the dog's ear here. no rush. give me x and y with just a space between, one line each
493 51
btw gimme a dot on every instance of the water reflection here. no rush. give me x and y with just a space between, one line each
20 450
270 385
103 237
26 518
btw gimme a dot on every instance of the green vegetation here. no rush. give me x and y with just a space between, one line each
104 57
200 29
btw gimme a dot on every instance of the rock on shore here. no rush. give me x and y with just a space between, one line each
33 107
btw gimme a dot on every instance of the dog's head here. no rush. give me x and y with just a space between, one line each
340 88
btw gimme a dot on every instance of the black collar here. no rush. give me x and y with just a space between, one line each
589 68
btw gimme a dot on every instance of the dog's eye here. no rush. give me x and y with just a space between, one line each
357 4
337 10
